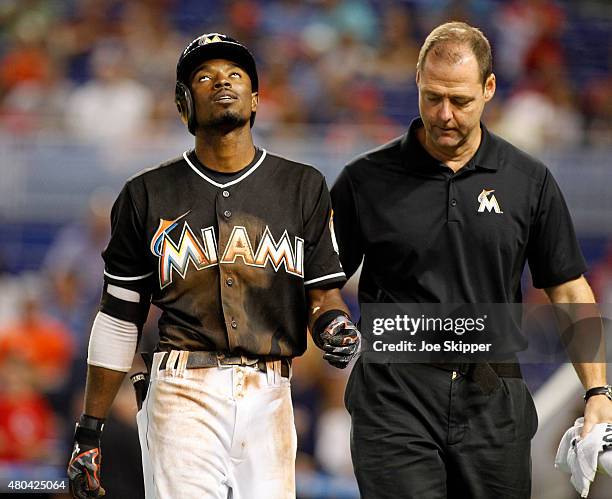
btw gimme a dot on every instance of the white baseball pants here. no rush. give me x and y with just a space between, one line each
217 433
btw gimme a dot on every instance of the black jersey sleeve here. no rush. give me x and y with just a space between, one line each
321 262
347 227
126 263
553 251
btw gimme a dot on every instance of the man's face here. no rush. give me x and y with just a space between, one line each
222 94
452 99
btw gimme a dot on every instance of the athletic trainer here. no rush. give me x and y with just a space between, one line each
235 245
450 213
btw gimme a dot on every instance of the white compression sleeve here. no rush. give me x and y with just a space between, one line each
112 343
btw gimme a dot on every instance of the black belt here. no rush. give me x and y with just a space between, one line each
199 359
486 375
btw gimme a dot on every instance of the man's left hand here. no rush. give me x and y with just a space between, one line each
598 410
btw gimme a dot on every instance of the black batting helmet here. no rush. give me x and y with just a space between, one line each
203 48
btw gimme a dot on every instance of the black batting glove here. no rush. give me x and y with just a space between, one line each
84 465
339 339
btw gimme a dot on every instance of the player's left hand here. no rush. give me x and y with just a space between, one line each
598 409
341 342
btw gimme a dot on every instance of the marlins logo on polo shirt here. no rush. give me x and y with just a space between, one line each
488 203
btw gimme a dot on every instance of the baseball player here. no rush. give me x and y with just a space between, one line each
235 246
450 213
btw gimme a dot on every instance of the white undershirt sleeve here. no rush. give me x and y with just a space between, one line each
112 343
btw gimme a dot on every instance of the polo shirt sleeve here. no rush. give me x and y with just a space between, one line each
346 224
321 262
553 251
126 263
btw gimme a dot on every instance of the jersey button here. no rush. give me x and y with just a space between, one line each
229 281
234 324
227 213
226 194
453 202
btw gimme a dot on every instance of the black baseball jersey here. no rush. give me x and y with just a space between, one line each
228 259
429 235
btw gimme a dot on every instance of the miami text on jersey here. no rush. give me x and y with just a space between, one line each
175 257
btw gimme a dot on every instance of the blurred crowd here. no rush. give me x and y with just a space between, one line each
103 71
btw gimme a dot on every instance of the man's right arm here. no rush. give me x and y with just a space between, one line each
112 345
100 390
346 224
126 298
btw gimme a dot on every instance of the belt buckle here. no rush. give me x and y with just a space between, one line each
220 356
243 360
249 362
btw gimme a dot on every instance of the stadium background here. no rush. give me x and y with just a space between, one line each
86 89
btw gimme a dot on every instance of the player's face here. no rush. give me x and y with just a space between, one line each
452 99
222 94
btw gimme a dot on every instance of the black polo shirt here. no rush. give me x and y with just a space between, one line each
429 235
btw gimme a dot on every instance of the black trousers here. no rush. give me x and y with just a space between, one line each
418 433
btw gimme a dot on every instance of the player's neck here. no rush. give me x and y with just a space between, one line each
228 152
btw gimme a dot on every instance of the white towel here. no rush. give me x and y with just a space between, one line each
583 458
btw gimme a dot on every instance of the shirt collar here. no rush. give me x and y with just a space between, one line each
486 156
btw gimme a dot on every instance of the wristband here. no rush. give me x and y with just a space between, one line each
599 390
88 430
324 319
91 423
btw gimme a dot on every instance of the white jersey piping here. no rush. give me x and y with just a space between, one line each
325 277
235 181
135 278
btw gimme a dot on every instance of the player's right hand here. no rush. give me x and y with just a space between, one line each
84 465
